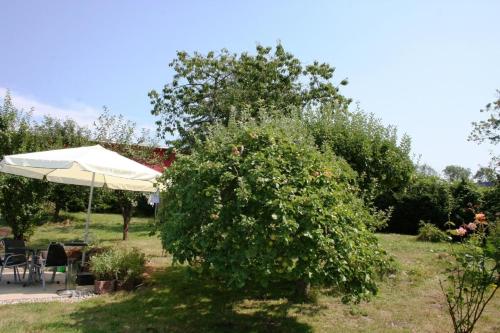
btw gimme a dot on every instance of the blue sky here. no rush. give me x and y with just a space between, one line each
425 66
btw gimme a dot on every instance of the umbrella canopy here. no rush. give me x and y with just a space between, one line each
78 166
89 166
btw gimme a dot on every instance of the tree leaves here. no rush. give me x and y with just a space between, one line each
210 88
281 210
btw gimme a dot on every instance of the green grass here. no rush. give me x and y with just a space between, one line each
174 301
105 229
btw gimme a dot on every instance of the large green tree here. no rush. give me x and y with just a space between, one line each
206 89
259 203
212 88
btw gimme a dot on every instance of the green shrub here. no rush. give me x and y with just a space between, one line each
427 198
430 233
132 266
491 202
373 150
467 199
119 264
260 204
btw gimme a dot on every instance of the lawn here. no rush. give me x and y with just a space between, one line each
174 301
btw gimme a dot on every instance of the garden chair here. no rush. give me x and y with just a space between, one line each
14 257
55 257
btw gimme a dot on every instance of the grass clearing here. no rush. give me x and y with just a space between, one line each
174 301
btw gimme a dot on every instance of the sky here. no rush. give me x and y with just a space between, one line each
427 67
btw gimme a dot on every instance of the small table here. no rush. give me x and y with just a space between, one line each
31 253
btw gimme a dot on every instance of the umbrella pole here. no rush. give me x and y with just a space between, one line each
89 208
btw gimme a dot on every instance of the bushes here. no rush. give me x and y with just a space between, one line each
373 150
259 203
491 202
466 199
430 233
431 199
426 199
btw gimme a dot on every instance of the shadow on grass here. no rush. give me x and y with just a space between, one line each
177 302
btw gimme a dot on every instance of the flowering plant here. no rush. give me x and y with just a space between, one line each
472 226
461 231
473 274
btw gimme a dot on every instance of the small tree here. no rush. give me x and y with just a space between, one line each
20 204
119 134
15 128
20 198
260 204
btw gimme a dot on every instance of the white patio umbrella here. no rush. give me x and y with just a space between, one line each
92 166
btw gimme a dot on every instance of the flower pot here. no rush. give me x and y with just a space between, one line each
124 285
104 287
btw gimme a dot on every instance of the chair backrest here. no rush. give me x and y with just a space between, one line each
14 246
56 256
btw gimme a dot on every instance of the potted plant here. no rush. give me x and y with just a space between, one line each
117 268
104 268
131 267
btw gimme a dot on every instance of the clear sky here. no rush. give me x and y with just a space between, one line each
425 66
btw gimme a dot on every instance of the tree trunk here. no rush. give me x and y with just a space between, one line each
127 216
126 222
302 289
57 210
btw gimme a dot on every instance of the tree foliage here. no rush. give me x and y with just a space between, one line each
52 133
119 134
456 172
486 175
426 170
466 200
209 88
15 128
373 150
488 130
20 198
426 198
260 204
